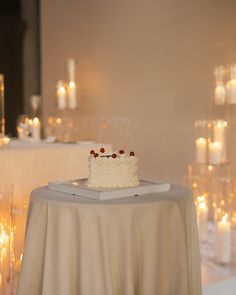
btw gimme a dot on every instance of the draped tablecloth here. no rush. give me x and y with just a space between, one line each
28 165
145 245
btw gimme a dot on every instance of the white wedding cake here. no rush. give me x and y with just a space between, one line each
117 170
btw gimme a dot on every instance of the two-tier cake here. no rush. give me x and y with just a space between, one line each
117 170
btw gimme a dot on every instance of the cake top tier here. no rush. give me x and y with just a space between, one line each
102 154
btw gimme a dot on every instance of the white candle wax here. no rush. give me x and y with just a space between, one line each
71 69
223 241
72 99
220 94
215 152
61 95
219 135
202 221
201 150
36 129
219 131
231 90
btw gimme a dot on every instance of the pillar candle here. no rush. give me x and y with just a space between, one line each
202 221
61 95
231 85
201 150
220 94
223 241
215 152
36 129
72 99
71 69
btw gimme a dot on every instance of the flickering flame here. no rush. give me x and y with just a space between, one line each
72 84
58 120
210 167
224 218
202 205
36 121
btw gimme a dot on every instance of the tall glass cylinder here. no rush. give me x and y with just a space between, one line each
2 110
5 240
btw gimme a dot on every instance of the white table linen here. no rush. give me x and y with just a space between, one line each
144 245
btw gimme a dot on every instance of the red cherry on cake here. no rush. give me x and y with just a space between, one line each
92 152
114 156
121 152
131 154
102 150
96 155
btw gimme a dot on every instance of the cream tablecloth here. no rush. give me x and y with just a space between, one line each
145 245
28 165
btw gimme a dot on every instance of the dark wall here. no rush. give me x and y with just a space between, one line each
11 36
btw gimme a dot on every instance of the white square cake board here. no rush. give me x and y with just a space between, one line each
78 188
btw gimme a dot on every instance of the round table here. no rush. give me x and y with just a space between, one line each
143 245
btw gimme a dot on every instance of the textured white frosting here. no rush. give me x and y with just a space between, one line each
113 173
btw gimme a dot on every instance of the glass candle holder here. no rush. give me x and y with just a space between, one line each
5 240
223 238
220 91
202 210
231 85
23 127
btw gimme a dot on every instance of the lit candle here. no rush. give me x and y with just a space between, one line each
201 150
6 141
219 131
61 95
219 135
223 241
202 220
71 69
215 152
231 85
72 99
220 94
36 129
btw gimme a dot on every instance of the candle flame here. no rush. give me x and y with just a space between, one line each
201 140
36 121
210 168
72 84
224 218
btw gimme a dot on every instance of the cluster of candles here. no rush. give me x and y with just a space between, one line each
225 89
212 150
8 263
222 229
4 258
29 128
66 91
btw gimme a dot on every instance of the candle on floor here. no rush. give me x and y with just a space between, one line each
202 220
223 240
231 85
215 152
36 129
201 150
61 95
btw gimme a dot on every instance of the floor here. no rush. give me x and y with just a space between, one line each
217 279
